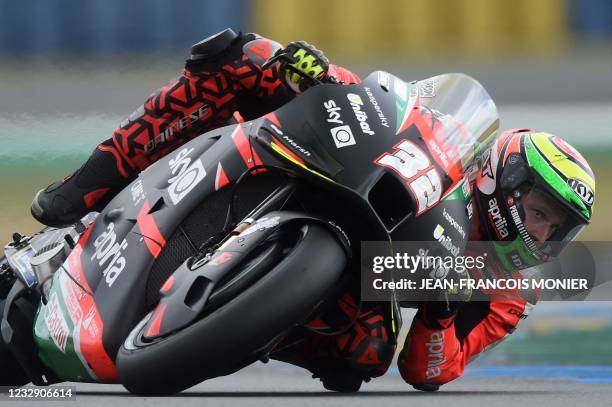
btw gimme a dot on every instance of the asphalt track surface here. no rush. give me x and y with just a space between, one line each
277 384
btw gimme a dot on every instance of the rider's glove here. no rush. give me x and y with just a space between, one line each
301 65
439 313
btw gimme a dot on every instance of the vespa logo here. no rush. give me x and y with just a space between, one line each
584 192
109 254
187 175
342 135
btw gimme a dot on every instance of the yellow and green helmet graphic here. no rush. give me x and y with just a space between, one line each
564 170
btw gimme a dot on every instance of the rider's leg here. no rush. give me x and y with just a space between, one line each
90 188
343 361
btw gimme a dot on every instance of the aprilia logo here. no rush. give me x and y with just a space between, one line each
501 224
435 355
109 254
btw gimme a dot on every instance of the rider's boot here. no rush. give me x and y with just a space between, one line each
89 189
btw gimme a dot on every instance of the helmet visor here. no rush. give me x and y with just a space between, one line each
545 224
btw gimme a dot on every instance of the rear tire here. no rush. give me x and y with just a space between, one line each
231 336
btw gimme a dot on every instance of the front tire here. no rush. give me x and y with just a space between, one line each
230 336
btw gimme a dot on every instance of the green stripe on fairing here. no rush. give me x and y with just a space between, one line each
66 365
457 192
401 104
537 162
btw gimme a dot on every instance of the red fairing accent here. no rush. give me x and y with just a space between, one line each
92 328
149 230
248 154
221 179
93 197
317 323
272 117
156 324
167 285
238 117
437 356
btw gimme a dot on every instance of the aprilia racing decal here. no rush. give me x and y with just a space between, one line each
109 254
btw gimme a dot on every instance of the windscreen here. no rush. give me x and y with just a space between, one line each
459 113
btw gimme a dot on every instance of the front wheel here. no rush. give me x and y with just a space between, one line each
230 336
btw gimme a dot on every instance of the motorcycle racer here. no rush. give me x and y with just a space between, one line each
535 175
226 74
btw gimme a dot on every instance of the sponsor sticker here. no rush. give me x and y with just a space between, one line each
187 175
89 323
109 254
500 222
427 88
379 112
296 146
220 258
343 136
261 224
384 80
138 193
453 222
445 241
56 323
435 354
360 114
584 192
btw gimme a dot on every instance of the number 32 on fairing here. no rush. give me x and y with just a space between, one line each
414 166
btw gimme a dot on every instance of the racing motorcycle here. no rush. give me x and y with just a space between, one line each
217 251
